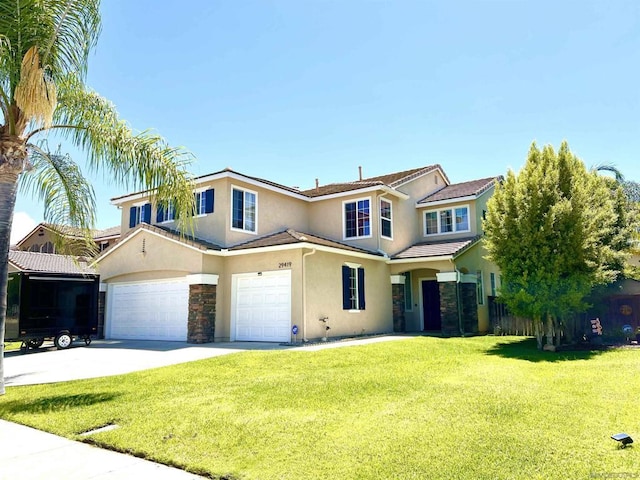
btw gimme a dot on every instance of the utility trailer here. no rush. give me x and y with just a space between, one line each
51 306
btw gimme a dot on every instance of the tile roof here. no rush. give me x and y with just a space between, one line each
289 237
459 190
437 249
173 235
107 232
391 179
48 262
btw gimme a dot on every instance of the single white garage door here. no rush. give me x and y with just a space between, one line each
262 306
148 311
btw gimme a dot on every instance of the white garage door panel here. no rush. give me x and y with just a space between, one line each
149 311
263 306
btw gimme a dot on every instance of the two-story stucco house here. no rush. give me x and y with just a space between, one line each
266 262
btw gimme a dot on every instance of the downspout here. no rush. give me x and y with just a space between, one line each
304 294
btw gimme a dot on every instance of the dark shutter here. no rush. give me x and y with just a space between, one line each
146 213
160 214
208 208
346 290
361 288
132 217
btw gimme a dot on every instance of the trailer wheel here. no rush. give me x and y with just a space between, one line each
35 342
63 340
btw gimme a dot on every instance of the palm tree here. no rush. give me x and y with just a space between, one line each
44 49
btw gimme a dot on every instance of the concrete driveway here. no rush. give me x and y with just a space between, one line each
110 357
114 357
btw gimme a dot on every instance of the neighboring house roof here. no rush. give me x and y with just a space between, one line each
438 249
460 190
106 233
48 262
72 232
289 236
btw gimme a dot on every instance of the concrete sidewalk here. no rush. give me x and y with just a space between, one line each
29 454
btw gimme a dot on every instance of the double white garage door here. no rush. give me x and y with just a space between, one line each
260 309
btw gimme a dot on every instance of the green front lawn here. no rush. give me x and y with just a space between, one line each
473 408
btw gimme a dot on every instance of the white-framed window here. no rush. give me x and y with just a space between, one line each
139 213
357 218
353 287
204 201
408 294
446 220
480 287
386 220
244 208
166 213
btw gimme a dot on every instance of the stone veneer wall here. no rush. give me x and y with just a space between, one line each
469 296
449 307
102 297
397 293
202 313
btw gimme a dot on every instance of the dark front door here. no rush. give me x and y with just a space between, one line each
431 305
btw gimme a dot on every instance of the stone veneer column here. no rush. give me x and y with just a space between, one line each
202 308
449 308
469 301
102 298
202 313
397 296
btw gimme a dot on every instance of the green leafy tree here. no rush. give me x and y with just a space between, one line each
555 230
44 49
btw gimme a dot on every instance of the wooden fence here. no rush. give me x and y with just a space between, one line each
503 323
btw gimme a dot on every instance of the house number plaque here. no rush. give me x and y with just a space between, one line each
284 265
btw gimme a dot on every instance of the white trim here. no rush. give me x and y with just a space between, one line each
353 265
344 219
202 279
360 191
102 287
447 277
242 230
438 258
468 198
397 279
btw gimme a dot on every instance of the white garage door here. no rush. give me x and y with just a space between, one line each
262 306
148 311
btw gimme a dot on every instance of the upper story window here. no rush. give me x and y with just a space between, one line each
449 220
204 202
166 214
386 227
139 213
357 218
244 206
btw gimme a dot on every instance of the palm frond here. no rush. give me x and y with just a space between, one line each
138 161
607 167
67 195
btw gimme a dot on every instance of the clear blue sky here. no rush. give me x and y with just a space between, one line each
296 90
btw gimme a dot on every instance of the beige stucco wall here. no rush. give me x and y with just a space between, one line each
275 212
323 272
161 258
